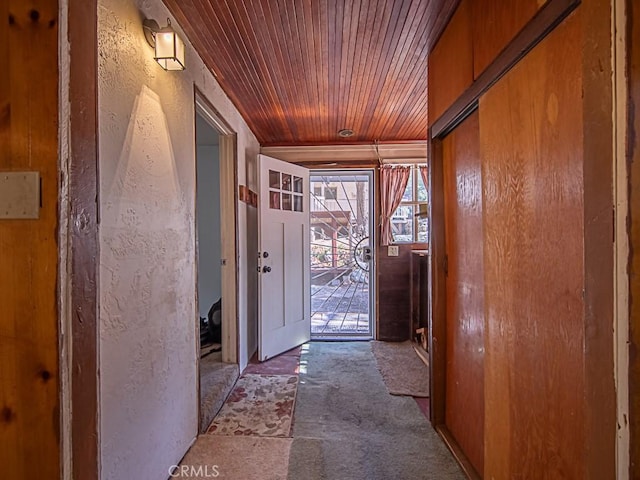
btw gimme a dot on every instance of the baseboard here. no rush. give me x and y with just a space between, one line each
457 452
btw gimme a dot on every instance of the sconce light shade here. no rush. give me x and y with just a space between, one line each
169 47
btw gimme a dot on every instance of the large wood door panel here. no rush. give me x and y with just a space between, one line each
29 396
464 404
531 133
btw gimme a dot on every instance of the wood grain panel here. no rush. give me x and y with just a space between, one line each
300 71
394 294
550 16
531 129
597 98
451 63
437 290
494 24
633 158
83 234
29 419
464 409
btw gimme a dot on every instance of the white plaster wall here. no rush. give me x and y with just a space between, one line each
209 236
148 384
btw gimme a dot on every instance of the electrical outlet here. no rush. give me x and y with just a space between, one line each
393 251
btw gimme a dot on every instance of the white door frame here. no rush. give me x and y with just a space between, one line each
373 241
228 223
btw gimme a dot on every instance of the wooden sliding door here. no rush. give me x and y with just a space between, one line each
464 404
532 157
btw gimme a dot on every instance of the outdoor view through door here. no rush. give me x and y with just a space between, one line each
341 254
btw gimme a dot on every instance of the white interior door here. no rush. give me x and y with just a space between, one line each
284 281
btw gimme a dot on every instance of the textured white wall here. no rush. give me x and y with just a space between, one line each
209 236
148 401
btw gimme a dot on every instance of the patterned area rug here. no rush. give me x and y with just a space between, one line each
260 405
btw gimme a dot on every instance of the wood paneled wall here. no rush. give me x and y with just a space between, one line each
545 131
464 409
29 396
531 135
450 63
495 23
394 292
479 31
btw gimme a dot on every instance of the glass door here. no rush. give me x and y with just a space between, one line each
341 254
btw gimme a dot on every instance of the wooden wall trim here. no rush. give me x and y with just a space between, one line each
229 201
83 235
348 153
457 452
437 287
544 21
633 189
598 163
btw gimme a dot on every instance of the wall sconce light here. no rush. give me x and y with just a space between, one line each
169 47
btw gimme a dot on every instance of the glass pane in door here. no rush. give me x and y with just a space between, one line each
341 254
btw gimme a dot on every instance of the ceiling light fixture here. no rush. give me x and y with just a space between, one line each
168 46
345 133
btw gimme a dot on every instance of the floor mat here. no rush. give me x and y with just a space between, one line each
402 370
260 405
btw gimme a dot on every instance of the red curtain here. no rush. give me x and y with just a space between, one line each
424 173
393 182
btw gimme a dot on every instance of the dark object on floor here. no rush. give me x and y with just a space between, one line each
211 326
209 349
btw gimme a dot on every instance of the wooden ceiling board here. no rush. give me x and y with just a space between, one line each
301 70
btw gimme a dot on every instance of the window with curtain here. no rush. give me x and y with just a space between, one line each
410 221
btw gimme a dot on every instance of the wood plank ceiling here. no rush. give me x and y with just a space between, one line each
301 70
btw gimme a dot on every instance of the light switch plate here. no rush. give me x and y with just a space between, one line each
19 195
393 251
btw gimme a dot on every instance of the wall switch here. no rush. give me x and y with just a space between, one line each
19 195
393 251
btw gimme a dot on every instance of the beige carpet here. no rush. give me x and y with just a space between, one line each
236 458
402 370
216 382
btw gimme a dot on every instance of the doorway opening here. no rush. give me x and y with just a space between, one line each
216 247
209 237
342 290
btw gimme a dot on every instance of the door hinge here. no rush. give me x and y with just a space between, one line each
445 265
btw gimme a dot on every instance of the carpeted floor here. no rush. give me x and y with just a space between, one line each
402 370
347 426
216 381
237 458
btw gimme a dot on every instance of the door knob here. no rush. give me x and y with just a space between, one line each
266 269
